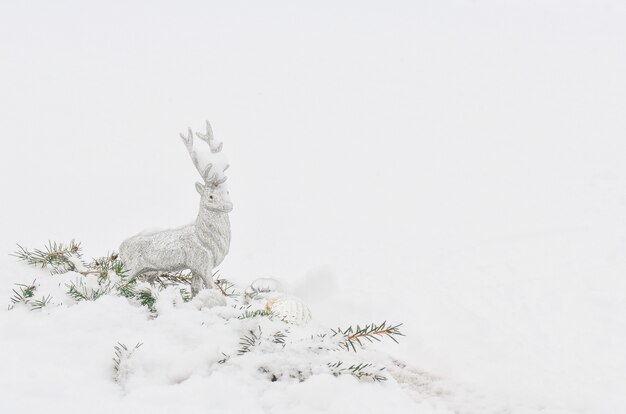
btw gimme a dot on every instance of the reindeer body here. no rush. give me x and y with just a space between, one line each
200 246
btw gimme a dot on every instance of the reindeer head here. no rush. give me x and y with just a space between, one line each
213 193
213 198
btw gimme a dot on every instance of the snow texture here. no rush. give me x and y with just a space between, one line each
456 166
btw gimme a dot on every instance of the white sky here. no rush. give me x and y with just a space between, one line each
411 123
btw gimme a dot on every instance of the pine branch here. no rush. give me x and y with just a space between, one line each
224 285
146 298
120 361
62 258
75 293
26 292
41 303
361 371
127 288
58 257
81 292
252 339
247 342
255 314
279 338
369 332
165 279
251 293
103 265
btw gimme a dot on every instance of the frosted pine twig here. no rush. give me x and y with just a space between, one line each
60 258
361 371
121 362
370 332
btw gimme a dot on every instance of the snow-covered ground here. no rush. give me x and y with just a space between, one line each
457 167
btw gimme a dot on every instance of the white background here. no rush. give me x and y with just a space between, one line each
456 166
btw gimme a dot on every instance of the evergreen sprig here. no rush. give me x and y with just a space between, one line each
41 303
26 292
103 265
256 314
63 258
249 341
56 256
225 286
370 332
251 293
279 338
146 298
361 371
26 295
122 354
79 291
164 279
127 288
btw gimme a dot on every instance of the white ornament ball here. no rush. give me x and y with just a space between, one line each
290 309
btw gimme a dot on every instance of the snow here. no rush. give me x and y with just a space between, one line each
171 357
456 167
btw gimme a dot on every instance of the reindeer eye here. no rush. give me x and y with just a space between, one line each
211 197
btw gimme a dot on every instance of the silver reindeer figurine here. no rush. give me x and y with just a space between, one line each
200 246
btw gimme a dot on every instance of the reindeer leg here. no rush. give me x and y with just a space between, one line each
196 282
207 277
212 297
134 275
150 277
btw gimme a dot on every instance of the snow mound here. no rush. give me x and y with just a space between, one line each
81 336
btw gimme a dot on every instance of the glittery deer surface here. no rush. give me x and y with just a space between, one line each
200 246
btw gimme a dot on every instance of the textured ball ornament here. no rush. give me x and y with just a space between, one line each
290 309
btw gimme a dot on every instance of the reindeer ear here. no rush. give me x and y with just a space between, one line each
200 188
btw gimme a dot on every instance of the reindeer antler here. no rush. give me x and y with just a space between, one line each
204 170
208 138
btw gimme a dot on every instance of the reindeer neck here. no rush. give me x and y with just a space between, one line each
213 231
